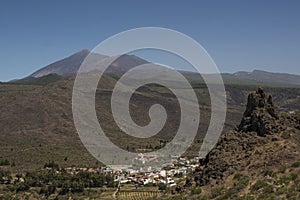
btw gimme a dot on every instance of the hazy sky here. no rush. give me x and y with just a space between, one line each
239 35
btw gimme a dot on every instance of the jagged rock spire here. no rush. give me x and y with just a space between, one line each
260 115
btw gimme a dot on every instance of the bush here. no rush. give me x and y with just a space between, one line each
296 164
77 187
285 135
5 176
51 190
269 172
282 169
294 176
4 162
217 192
267 196
246 197
64 189
283 180
196 190
31 179
51 165
258 185
162 186
242 181
237 176
48 190
21 187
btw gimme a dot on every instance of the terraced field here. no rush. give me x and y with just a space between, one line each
138 195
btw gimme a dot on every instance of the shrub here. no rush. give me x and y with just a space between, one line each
21 187
257 152
64 189
77 187
242 181
283 180
258 185
4 162
296 164
162 186
216 192
4 173
267 196
196 190
282 169
32 179
246 197
293 176
47 191
51 165
237 176
5 176
269 172
268 189
285 135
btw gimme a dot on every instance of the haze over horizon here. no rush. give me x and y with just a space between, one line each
239 36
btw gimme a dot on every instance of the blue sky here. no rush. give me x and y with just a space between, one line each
239 35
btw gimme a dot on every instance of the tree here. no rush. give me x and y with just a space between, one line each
21 187
4 162
77 187
51 165
162 186
65 189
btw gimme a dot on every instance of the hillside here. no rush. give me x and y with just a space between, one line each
65 67
258 160
37 123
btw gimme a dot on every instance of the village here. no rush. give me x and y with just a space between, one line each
166 175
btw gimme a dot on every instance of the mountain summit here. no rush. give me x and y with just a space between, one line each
65 67
69 66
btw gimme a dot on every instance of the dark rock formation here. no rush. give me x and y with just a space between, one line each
260 115
256 143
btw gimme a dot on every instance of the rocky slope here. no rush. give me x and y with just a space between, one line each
258 160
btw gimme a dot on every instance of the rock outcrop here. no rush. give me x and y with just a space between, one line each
260 115
258 143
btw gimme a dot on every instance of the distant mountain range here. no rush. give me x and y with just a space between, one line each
70 65
263 76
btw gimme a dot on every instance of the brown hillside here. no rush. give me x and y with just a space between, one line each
37 124
259 159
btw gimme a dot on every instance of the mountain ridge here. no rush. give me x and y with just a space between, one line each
70 65
264 76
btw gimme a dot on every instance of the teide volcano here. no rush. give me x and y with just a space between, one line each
70 65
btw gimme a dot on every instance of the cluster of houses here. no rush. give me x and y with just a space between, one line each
143 176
